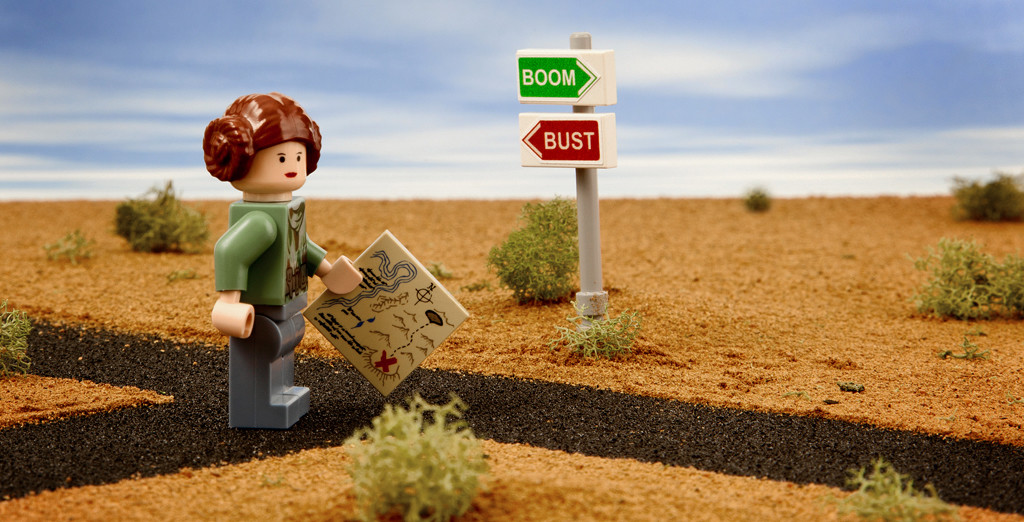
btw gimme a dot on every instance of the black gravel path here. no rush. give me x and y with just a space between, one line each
193 432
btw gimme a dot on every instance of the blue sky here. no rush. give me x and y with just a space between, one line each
418 99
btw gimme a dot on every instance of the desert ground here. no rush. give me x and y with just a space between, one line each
753 311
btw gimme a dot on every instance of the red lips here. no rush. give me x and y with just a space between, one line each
291 174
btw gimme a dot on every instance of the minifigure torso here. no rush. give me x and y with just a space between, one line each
265 252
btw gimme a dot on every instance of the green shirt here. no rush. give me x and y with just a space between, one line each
266 253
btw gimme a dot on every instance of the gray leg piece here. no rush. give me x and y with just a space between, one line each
261 386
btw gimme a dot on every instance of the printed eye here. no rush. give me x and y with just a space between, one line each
280 159
298 158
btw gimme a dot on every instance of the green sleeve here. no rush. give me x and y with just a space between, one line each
239 247
315 255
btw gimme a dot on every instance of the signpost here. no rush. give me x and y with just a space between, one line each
583 78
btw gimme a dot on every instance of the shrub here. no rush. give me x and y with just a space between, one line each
971 351
886 494
968 284
73 246
607 338
423 461
538 262
161 223
439 271
178 275
757 200
998 200
14 330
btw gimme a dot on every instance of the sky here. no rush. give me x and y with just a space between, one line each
418 99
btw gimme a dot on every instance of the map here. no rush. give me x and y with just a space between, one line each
393 320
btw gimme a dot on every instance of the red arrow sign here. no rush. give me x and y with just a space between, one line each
565 140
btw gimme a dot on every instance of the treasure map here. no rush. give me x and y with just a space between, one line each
393 320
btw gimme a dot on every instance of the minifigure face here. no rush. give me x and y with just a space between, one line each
276 169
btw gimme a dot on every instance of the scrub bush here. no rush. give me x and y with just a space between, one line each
161 223
14 330
971 351
439 271
966 283
886 494
757 200
998 200
423 462
72 246
179 275
607 338
538 262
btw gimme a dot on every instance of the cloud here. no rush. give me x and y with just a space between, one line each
895 162
758 64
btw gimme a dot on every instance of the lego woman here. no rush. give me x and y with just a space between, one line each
265 145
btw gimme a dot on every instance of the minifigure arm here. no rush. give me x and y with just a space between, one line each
232 317
341 277
235 251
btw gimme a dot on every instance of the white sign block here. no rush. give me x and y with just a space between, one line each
566 76
567 140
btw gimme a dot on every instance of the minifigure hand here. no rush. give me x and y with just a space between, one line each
231 317
342 277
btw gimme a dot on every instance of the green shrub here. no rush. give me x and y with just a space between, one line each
538 262
439 271
971 351
757 200
998 200
476 287
73 246
14 330
966 283
607 338
179 275
423 461
886 494
161 223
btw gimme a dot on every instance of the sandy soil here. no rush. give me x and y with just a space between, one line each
31 398
741 310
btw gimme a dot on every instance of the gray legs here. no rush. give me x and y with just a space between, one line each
261 382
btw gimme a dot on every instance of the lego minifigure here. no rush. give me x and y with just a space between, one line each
265 145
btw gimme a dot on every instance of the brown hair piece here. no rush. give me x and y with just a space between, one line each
254 122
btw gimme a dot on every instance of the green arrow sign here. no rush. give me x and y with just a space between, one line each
557 77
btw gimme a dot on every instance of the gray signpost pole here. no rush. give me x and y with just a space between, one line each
592 300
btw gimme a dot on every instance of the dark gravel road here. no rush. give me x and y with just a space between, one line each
193 432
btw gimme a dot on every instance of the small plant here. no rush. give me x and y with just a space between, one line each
268 482
798 393
969 284
477 286
14 330
851 387
73 246
607 338
423 461
178 275
886 494
161 223
998 200
538 262
970 351
439 271
757 200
